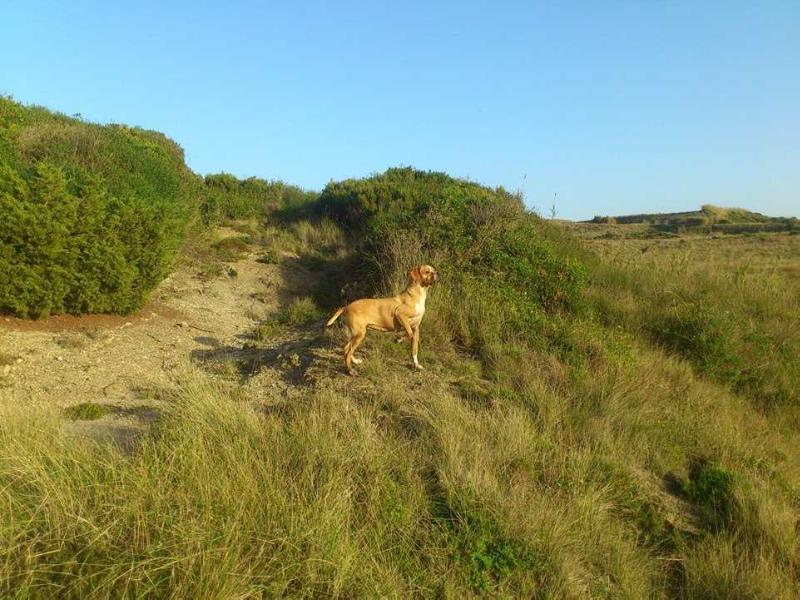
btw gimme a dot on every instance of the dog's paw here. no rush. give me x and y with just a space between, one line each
352 373
357 361
419 367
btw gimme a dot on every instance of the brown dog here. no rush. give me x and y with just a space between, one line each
399 313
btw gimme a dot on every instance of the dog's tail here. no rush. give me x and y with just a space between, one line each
335 316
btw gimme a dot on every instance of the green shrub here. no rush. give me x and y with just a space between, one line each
225 197
483 242
90 216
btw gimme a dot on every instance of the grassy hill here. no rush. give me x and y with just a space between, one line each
708 219
592 422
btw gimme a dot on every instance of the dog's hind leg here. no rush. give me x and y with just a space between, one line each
351 347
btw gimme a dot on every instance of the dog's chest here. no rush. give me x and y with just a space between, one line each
419 311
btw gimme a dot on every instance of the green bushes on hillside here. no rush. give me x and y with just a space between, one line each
497 259
91 215
227 197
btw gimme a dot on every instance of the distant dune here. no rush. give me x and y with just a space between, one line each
709 217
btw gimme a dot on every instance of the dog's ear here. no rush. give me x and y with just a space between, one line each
415 275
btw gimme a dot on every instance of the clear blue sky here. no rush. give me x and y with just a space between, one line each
617 107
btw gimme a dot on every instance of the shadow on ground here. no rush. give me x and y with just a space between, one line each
296 360
330 283
296 354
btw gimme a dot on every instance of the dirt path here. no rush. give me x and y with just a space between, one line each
101 358
113 361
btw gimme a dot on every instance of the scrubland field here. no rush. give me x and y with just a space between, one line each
607 410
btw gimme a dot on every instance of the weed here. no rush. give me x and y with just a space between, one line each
712 489
72 341
86 411
300 311
230 249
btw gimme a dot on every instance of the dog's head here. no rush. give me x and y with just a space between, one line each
424 275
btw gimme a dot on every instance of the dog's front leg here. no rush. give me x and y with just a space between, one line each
411 333
415 347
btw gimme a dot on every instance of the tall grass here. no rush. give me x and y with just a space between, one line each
564 454
542 488
729 306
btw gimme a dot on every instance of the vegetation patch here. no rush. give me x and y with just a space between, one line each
504 277
229 198
491 558
92 215
230 249
86 411
705 337
712 489
300 311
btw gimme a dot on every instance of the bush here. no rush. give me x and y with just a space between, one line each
482 241
92 216
228 198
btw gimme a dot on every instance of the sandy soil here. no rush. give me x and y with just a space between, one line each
103 358
116 361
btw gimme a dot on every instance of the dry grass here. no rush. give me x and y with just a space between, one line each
513 473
